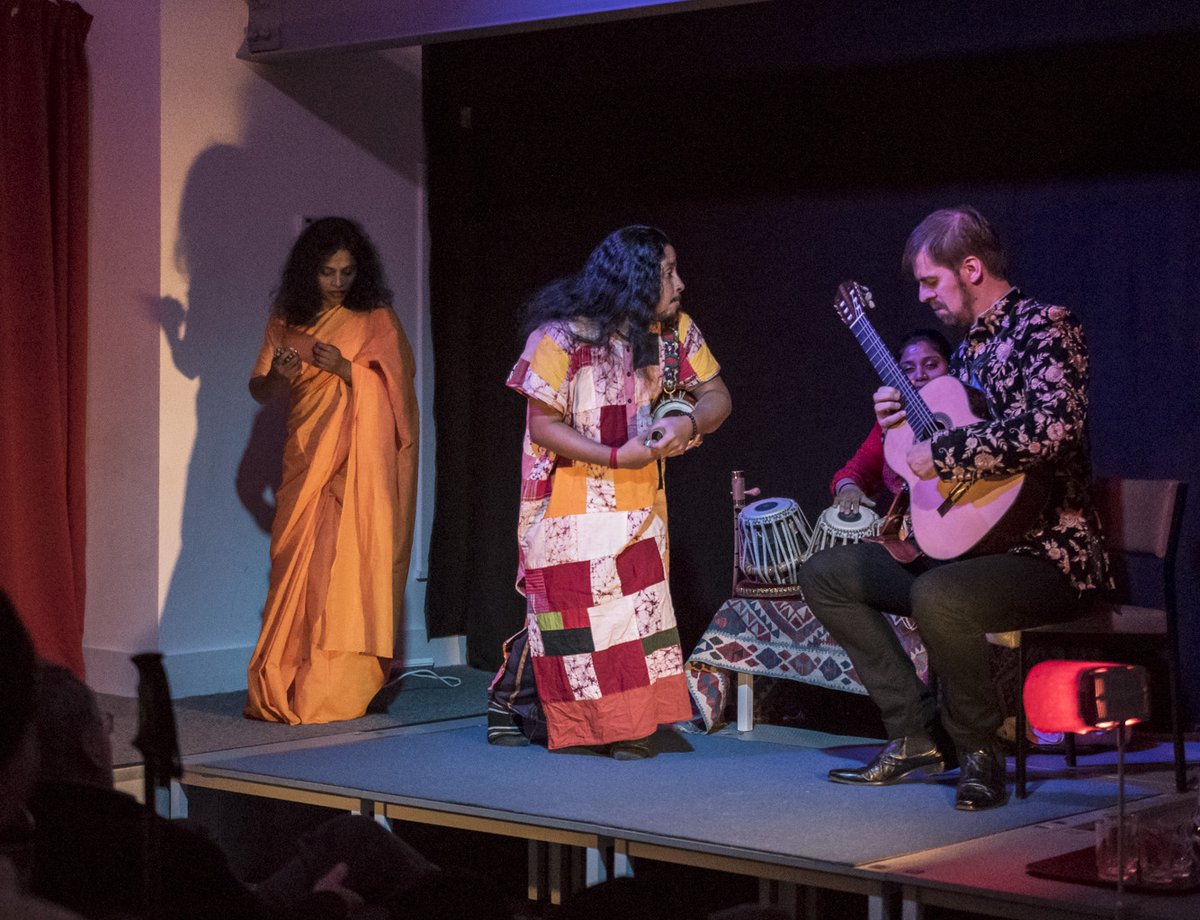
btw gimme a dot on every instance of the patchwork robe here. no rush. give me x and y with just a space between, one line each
593 543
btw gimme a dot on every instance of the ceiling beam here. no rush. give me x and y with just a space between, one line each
277 30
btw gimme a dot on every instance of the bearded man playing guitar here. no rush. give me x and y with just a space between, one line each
1030 361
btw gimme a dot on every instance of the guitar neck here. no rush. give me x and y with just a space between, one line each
919 416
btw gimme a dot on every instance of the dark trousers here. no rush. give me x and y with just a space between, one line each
954 605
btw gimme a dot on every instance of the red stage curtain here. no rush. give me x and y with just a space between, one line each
43 318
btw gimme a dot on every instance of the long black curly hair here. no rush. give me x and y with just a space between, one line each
298 299
620 285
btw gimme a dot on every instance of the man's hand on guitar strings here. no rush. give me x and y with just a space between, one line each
889 411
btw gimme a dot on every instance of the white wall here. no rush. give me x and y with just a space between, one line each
203 168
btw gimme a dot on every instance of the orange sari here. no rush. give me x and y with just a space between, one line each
342 536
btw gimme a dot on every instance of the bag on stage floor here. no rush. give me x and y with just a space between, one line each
515 715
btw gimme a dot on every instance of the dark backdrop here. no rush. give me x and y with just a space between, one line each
785 149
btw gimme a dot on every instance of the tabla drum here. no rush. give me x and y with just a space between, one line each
668 405
835 528
773 534
672 405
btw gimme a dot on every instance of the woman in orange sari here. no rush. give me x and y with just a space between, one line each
343 526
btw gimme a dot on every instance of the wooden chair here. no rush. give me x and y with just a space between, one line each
1140 518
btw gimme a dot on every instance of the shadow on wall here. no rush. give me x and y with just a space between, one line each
219 581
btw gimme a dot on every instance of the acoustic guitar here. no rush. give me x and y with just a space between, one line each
949 519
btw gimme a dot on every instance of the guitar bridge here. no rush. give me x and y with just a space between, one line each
957 492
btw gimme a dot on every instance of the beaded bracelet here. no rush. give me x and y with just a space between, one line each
695 427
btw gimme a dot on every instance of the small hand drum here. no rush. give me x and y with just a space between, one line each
672 405
836 528
774 533
668 405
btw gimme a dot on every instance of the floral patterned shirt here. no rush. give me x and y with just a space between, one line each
1030 360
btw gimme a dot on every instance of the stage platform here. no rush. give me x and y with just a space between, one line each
753 803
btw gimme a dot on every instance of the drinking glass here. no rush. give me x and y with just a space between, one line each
1108 827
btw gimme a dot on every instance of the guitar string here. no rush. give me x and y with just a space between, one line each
919 417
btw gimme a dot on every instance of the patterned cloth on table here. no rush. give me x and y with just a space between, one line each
779 637
593 542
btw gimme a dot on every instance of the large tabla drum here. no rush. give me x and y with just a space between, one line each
773 533
835 528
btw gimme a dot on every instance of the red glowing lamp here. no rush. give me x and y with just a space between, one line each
1083 696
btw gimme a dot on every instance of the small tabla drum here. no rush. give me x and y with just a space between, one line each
773 534
672 405
835 527
668 405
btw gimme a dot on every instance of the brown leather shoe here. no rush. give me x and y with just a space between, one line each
898 759
981 783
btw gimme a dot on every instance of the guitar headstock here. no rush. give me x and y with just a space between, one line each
853 301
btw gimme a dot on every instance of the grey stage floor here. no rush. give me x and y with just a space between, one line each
764 790
758 800
215 722
760 796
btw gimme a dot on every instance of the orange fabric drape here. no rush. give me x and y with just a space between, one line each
43 318
343 527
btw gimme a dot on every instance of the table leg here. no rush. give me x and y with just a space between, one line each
745 702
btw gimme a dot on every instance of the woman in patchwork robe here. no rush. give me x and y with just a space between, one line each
593 523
